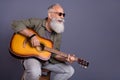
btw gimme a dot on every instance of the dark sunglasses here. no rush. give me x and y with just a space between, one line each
60 14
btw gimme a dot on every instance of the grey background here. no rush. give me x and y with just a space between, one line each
92 31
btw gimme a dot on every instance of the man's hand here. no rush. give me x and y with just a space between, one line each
71 58
33 38
34 41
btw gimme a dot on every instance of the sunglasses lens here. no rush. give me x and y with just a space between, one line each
63 14
60 14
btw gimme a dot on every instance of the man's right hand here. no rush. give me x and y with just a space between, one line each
35 41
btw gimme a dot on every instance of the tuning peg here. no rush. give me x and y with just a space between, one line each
85 67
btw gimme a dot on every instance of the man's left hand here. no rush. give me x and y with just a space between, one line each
71 58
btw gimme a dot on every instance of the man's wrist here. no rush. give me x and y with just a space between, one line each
31 36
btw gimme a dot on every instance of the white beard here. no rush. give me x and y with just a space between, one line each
57 25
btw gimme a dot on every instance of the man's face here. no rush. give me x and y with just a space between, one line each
57 19
58 12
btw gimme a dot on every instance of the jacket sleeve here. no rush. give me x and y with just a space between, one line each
28 23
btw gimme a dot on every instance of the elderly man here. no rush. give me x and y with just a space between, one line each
49 28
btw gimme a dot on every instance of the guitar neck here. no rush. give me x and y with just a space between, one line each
57 52
79 60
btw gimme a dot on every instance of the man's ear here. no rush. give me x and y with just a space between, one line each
50 15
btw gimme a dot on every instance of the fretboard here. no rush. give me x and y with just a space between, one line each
55 51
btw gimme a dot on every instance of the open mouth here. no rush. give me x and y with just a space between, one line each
60 21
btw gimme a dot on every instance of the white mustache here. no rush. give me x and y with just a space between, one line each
60 20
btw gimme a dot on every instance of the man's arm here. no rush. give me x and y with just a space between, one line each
28 33
22 28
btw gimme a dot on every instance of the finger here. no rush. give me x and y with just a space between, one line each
70 58
67 59
36 42
73 55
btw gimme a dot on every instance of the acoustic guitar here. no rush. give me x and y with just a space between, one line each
20 47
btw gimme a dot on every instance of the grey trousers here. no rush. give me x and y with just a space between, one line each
33 70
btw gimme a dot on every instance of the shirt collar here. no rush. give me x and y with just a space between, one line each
44 22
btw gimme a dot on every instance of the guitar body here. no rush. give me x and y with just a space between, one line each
20 47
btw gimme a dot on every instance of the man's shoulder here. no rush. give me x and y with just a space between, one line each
37 19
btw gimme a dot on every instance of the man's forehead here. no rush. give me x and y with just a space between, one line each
58 8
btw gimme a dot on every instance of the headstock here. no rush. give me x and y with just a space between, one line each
83 63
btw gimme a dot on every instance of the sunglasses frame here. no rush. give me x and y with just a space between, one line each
60 13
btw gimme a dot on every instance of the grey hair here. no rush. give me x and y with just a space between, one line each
50 8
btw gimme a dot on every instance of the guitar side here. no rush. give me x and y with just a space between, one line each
20 48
